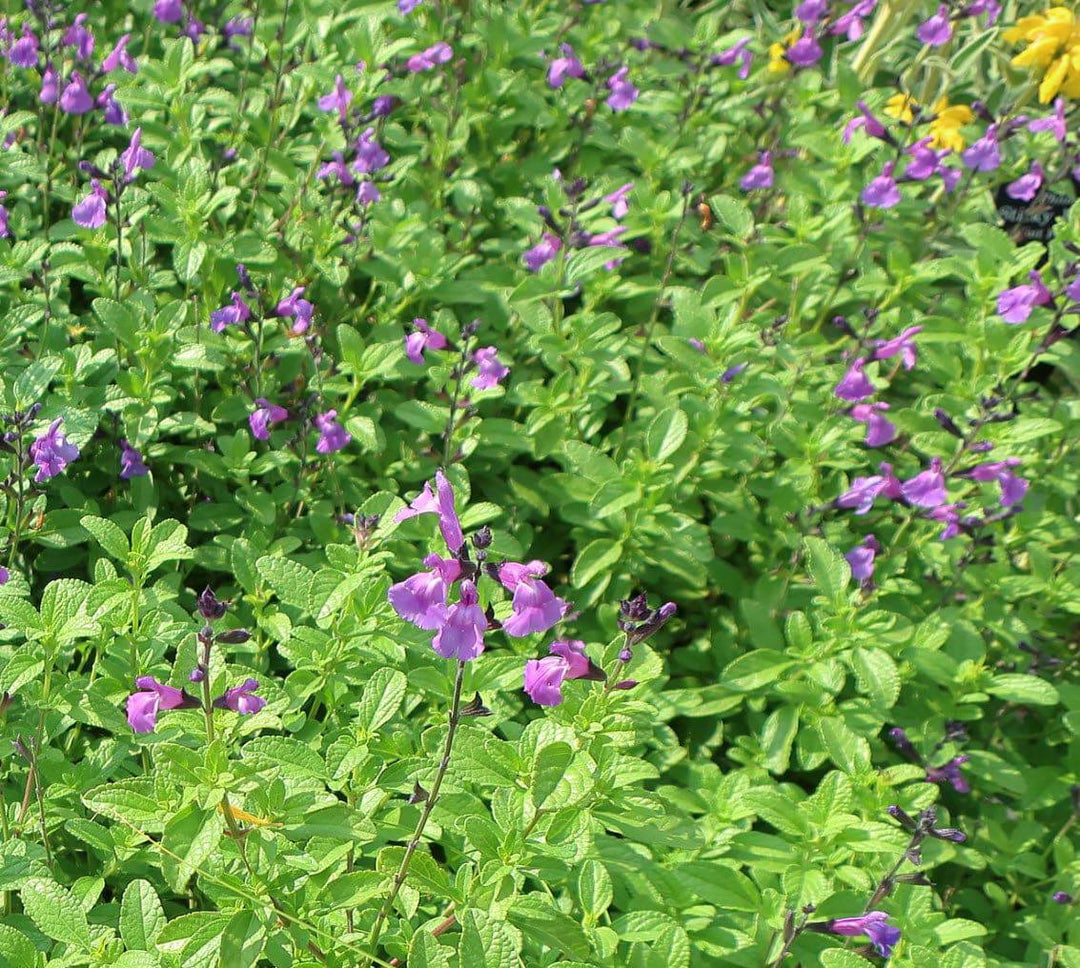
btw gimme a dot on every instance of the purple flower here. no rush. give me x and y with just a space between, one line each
231 314
805 52
50 86
24 52
408 6
543 252
617 200
926 162
882 192
697 344
367 193
737 53
337 168
879 429
949 515
544 678
811 11
490 370
536 608
865 490
52 452
237 27
563 67
113 110
984 154
168 11
861 559
338 99
883 936
241 699
927 489
904 344
293 306
5 575
1054 123
937 30
80 38
950 773
421 599
851 23
440 502
855 385
1013 488
370 155
119 57
579 665
5 232
136 157
131 462
90 213
143 706
436 54
1015 305
732 371
76 98
263 416
461 636
424 338
1026 187
867 122
332 436
383 105
1061 897
990 7
623 93
193 29
760 176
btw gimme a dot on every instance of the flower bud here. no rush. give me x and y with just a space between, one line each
233 636
210 606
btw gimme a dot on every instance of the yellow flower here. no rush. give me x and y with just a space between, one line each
1053 49
901 107
947 123
778 63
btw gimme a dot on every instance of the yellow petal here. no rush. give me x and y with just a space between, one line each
1051 83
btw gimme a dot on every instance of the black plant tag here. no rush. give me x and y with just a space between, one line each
1031 221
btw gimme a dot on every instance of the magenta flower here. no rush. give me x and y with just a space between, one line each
337 168
805 52
882 192
241 699
76 98
119 57
231 314
760 176
738 53
937 30
579 665
542 253
563 67
904 344
855 385
544 678
136 157
113 109
851 23
536 608
80 38
5 232
1013 488
950 773
428 59
143 706
865 490
440 502
949 515
879 429
1016 305
294 307
91 212
332 436
421 599
984 154
370 155
811 11
50 86
461 636
168 11
24 52
408 6
131 462
861 559
489 370
5 575
52 452
338 99
925 161
1027 186
867 122
927 489
617 200
367 193
883 936
423 338
1055 123
264 416
623 93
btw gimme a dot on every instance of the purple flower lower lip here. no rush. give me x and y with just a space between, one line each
241 699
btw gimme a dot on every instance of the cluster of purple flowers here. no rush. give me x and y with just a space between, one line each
621 91
91 212
1015 305
948 772
937 30
489 369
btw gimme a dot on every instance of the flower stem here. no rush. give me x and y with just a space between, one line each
429 805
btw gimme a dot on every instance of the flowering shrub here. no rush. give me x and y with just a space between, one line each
527 484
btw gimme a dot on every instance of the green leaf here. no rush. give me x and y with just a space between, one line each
191 836
290 580
846 749
16 949
598 555
383 695
291 756
539 919
166 542
107 534
141 916
666 434
426 952
549 768
594 888
131 801
34 381
830 572
243 940
762 667
1019 688
55 912
877 675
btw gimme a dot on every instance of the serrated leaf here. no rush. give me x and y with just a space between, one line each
55 912
828 569
550 766
107 534
141 916
666 433
1019 688
383 695
190 837
290 580
243 940
291 756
